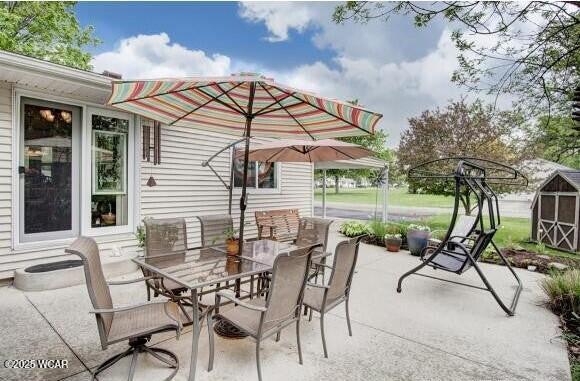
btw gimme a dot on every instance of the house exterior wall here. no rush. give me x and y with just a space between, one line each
184 189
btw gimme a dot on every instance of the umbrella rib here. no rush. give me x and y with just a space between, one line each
275 154
265 110
200 106
165 93
323 110
231 99
222 102
287 112
343 153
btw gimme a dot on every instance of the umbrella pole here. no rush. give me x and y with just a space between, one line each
243 198
324 193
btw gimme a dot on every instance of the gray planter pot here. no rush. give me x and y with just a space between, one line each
417 241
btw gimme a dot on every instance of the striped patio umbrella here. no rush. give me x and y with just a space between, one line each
246 105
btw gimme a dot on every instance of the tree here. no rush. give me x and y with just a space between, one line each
527 49
559 138
46 30
461 129
376 143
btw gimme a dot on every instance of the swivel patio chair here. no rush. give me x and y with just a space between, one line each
166 237
324 297
261 318
135 323
457 253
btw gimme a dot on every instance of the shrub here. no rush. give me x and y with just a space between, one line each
422 228
353 228
377 228
563 290
389 236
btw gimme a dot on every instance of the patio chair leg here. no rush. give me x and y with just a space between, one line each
298 340
133 365
209 318
322 333
348 317
278 336
258 360
148 293
310 315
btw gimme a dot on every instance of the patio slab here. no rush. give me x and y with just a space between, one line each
432 330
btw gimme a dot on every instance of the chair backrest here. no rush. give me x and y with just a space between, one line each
213 228
289 276
312 231
345 257
165 236
463 227
87 249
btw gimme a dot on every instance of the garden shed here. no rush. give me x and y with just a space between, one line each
556 211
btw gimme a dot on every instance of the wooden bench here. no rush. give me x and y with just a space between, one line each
278 225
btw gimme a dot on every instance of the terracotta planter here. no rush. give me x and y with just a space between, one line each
417 241
232 246
393 244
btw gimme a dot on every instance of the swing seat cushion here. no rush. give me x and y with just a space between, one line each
450 260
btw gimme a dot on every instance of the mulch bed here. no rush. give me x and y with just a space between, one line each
524 258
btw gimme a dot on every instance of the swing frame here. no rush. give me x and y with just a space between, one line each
477 175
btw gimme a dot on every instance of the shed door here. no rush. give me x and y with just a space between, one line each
558 220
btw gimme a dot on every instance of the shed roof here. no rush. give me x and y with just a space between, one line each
573 177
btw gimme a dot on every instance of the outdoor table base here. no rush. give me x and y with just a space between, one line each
227 330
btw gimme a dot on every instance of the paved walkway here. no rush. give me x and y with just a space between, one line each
432 331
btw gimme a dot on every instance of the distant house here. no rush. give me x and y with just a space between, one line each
71 166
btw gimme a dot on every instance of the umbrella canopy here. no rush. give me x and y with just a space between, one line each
306 151
225 103
245 104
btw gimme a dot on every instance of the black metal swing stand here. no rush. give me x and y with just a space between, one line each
468 236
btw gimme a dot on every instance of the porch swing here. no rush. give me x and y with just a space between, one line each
468 237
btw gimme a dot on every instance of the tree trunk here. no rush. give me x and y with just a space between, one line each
336 184
466 201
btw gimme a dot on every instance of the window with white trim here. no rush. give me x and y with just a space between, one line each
265 177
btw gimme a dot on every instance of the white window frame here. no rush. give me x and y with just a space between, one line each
255 189
87 186
133 172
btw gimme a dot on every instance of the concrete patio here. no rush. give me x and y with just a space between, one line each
432 331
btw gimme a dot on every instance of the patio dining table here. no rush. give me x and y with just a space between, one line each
203 267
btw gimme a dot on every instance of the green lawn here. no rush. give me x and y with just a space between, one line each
397 197
514 232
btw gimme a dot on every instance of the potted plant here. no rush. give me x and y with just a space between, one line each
232 241
418 238
393 242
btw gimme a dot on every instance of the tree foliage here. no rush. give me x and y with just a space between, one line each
45 30
527 49
461 129
559 139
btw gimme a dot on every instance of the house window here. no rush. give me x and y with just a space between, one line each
109 145
265 177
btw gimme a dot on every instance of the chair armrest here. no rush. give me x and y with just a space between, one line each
322 264
121 282
124 308
462 237
229 296
317 285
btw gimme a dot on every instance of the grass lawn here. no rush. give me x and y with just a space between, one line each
397 197
513 232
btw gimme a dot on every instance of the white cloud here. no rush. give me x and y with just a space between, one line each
154 56
279 18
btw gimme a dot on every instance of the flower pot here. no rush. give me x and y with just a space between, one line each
393 244
232 246
417 241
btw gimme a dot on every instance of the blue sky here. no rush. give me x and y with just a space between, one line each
392 68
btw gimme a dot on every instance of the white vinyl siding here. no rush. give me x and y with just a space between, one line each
184 189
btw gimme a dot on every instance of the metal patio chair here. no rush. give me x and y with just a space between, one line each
457 253
312 231
261 318
324 297
135 323
213 228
